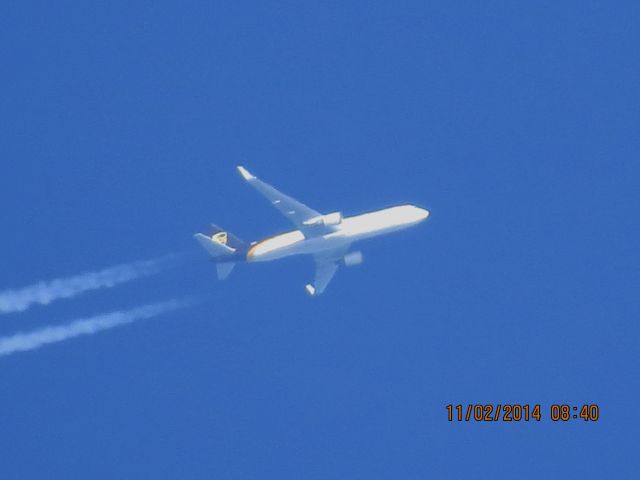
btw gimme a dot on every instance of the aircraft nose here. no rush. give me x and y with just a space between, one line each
421 214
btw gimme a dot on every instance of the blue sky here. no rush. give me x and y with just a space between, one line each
515 124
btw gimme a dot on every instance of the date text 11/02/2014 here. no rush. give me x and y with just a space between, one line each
513 412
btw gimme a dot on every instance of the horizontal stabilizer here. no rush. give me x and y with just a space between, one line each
224 269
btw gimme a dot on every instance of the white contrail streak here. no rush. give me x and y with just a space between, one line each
34 339
43 293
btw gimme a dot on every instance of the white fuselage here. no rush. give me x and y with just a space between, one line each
348 231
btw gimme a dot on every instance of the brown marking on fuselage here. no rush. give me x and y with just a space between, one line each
250 252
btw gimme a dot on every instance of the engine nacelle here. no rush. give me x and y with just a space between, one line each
328 220
353 258
331 219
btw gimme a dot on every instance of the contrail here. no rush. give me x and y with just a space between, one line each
34 339
44 293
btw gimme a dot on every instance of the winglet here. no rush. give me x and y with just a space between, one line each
245 173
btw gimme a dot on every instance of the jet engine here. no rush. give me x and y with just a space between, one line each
353 258
328 220
331 219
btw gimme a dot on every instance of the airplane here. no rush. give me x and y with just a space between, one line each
328 238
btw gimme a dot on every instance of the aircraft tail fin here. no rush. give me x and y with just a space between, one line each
219 242
226 237
224 247
214 246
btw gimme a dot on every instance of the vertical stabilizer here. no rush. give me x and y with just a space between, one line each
224 247
212 245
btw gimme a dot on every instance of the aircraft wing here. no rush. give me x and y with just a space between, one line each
327 264
296 212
